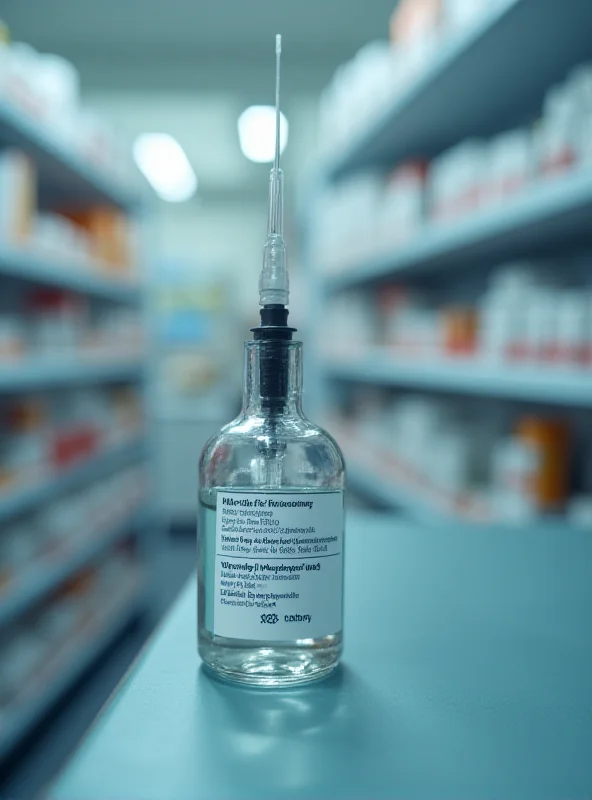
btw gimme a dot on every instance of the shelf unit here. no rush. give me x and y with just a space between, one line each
46 576
566 387
63 174
392 494
66 176
69 667
463 91
552 213
391 484
38 373
460 92
98 466
25 265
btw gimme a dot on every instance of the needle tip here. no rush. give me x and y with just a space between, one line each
278 44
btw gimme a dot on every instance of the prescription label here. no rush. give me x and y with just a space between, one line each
278 565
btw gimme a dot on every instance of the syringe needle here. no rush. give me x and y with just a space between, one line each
278 52
274 281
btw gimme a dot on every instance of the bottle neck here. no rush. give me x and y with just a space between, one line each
273 378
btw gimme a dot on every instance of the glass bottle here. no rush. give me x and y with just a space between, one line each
270 538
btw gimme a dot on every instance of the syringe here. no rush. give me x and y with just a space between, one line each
273 281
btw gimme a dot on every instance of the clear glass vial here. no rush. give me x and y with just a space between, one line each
270 537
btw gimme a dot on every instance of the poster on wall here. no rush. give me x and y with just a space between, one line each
194 328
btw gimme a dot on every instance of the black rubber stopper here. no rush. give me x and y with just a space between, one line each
274 360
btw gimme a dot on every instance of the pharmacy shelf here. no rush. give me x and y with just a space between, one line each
554 212
393 485
42 579
80 655
462 92
402 495
53 373
24 265
557 385
87 471
392 494
64 175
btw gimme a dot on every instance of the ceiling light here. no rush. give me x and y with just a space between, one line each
166 167
256 133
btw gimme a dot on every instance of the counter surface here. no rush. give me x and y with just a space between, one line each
467 674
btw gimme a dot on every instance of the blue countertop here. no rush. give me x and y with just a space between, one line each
467 674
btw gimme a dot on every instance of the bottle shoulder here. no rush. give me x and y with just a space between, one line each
245 429
242 448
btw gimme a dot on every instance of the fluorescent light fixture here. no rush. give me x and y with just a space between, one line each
256 133
166 167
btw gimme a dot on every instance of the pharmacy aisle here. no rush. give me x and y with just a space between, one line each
75 514
436 696
450 245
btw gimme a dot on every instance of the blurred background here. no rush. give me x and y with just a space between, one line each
438 161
